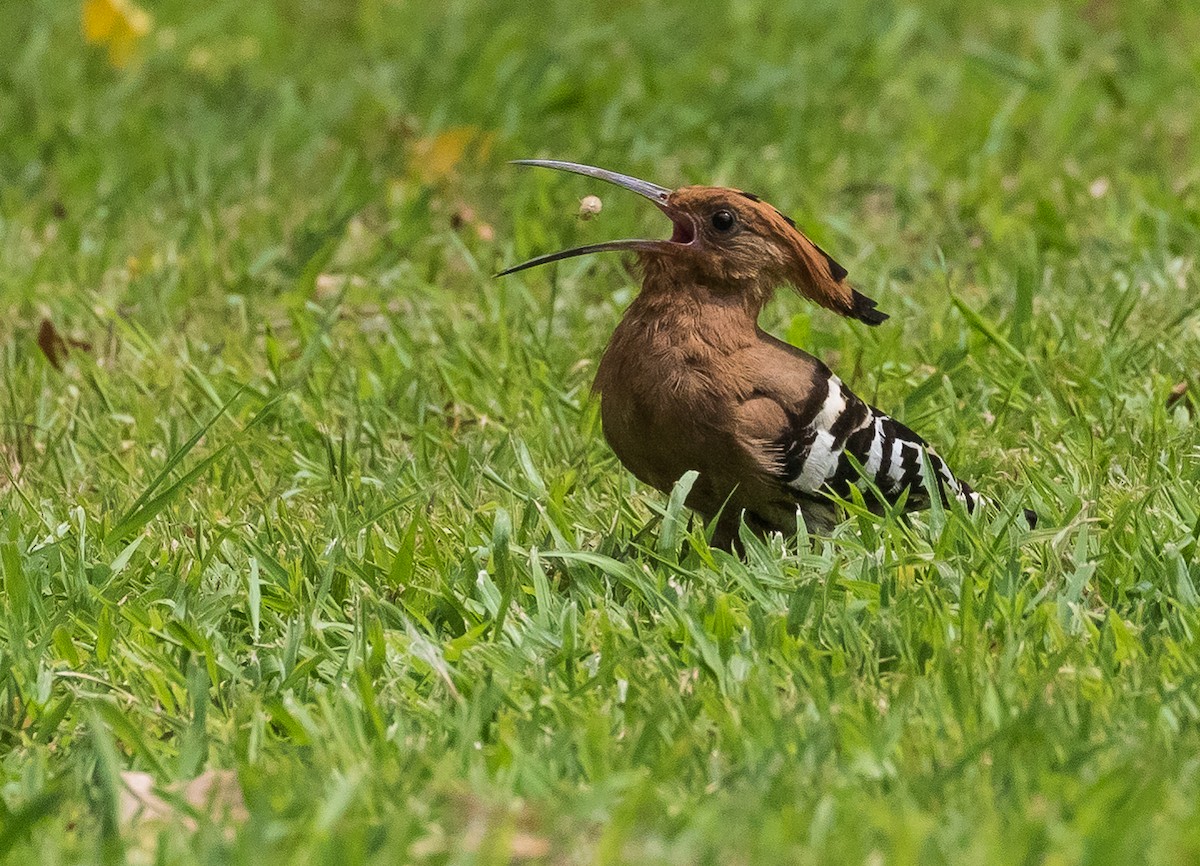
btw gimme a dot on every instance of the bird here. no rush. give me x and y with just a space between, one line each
689 381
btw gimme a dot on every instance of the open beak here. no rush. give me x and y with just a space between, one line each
684 231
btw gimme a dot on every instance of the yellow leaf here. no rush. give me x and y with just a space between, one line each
436 157
117 25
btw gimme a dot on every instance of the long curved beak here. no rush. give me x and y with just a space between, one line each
607 246
654 192
657 194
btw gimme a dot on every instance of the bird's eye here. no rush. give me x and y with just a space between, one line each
723 220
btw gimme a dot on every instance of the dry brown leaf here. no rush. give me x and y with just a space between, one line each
527 846
214 793
52 345
218 794
495 828
55 346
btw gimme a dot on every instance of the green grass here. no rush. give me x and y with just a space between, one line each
325 505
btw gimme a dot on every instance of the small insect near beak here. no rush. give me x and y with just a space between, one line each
657 194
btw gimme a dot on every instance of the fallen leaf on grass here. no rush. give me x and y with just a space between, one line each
55 346
499 830
214 793
52 345
526 846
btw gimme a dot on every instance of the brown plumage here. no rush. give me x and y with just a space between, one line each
689 380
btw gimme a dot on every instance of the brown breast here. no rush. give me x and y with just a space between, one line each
671 382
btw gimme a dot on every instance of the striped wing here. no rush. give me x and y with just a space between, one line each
814 455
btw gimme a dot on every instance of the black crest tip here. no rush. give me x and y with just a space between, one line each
864 309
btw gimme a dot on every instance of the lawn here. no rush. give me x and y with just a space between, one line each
295 497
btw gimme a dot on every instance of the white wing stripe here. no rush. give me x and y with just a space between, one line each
834 405
820 464
875 453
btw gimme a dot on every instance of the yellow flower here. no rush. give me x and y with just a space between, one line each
118 25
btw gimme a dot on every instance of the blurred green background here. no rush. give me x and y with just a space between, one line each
291 488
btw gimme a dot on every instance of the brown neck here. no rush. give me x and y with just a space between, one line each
669 309
673 283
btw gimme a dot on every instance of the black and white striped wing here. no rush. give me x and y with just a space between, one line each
815 455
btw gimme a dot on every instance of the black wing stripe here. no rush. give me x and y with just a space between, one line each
853 417
840 441
883 472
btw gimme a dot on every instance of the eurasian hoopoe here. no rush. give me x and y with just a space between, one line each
689 380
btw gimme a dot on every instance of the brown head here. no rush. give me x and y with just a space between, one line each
728 241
